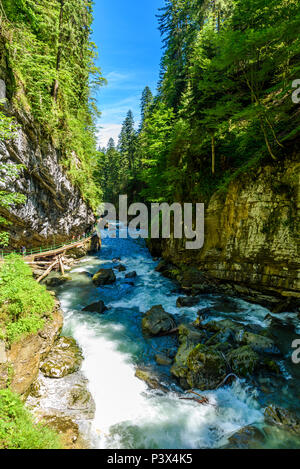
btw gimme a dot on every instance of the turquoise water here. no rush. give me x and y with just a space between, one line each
128 414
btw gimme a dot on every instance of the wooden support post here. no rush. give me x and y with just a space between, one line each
47 271
61 266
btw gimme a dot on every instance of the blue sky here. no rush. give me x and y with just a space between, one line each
129 48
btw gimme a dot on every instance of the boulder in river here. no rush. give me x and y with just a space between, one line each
98 307
259 343
67 429
104 277
157 321
57 281
121 268
206 368
243 360
65 358
131 275
283 418
80 399
151 380
189 337
249 437
187 301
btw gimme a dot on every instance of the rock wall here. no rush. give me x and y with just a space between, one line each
54 209
251 234
19 365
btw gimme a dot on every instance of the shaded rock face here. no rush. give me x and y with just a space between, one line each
282 418
24 357
157 321
90 246
64 358
54 210
104 277
247 437
187 301
251 238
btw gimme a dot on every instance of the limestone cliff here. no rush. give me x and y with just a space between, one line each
54 208
251 235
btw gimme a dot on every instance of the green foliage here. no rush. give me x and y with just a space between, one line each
51 56
24 326
18 429
224 102
24 303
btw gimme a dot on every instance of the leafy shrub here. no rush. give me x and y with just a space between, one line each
17 427
24 302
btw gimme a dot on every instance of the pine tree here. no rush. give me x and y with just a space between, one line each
127 142
146 101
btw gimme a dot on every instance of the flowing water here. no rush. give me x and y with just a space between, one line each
129 414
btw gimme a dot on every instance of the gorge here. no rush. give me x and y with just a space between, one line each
135 341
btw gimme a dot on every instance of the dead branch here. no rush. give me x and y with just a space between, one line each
47 271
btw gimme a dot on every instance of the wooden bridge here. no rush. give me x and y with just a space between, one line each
56 252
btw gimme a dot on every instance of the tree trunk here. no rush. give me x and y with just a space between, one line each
213 154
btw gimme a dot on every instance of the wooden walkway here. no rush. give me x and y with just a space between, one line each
55 252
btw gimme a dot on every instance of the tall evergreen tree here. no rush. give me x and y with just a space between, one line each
146 101
127 142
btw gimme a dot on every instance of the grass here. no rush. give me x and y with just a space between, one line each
18 429
24 303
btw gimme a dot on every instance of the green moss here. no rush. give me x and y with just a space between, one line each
17 427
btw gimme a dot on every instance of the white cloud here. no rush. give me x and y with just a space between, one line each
107 131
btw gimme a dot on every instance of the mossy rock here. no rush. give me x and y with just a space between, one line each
206 368
157 321
80 399
249 437
180 368
65 358
57 281
243 360
282 418
104 277
259 343
151 380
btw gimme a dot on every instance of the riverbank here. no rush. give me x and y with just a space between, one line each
37 362
119 374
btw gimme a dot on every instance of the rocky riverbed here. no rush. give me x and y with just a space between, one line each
172 368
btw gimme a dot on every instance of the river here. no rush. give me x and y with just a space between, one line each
128 414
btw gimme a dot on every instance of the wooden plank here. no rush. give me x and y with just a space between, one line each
47 271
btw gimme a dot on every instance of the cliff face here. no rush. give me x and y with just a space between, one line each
54 209
251 234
